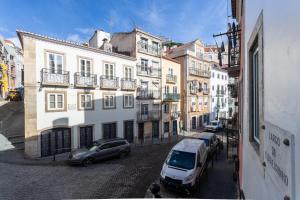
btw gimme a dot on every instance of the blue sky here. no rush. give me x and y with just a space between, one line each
180 20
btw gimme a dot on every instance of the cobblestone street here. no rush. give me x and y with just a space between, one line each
116 178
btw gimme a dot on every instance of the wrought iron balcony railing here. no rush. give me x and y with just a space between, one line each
199 72
128 84
148 71
109 82
148 94
150 49
175 115
55 77
85 80
171 78
171 97
148 116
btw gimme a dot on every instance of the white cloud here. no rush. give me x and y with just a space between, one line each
85 30
3 29
74 38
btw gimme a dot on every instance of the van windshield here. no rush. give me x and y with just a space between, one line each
214 123
180 159
206 141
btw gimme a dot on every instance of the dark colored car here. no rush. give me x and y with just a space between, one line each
102 149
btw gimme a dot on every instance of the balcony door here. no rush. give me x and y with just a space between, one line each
109 71
128 73
155 129
55 63
128 131
144 89
109 130
85 67
144 111
86 136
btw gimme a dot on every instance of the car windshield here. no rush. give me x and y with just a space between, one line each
214 123
93 148
206 141
180 159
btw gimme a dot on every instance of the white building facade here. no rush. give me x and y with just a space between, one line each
75 94
219 93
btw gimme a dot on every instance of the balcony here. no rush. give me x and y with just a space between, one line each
55 77
109 82
171 97
148 94
199 72
148 116
128 84
85 80
171 78
175 115
205 91
149 49
221 93
148 71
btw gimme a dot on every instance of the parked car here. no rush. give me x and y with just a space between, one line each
102 149
14 95
184 164
211 141
213 126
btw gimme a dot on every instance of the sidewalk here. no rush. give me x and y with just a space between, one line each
18 157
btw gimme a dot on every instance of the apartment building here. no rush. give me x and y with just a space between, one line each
263 60
195 84
219 92
75 93
171 87
146 48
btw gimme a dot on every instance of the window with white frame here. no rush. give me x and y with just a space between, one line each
55 101
175 89
85 101
55 63
85 67
128 101
167 89
128 73
109 70
144 43
170 71
166 108
205 101
109 101
155 46
144 65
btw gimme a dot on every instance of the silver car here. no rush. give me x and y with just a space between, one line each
102 149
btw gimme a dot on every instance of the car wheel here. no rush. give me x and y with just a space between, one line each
88 161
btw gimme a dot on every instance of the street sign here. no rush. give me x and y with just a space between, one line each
280 158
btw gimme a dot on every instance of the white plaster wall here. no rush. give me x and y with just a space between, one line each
74 117
281 31
214 81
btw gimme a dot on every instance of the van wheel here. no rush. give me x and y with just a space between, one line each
88 161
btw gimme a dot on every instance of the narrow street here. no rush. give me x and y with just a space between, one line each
115 178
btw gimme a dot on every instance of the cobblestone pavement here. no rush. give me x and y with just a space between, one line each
115 178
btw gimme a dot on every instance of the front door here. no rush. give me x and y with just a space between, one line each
128 131
55 141
86 136
155 129
175 127
141 132
194 123
109 130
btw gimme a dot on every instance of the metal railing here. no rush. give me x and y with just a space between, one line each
148 48
128 84
175 115
109 82
171 78
55 77
171 97
148 71
148 94
85 80
199 72
148 116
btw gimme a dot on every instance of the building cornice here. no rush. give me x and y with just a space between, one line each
21 34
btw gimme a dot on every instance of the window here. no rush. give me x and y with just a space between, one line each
109 70
205 86
166 127
199 103
85 101
175 89
222 77
128 101
205 101
55 101
128 73
109 101
155 107
166 108
155 65
144 43
144 65
218 76
213 74
85 67
55 63
144 109
155 46
213 88
166 89
212 99
170 71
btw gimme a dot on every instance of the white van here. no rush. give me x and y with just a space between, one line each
184 164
